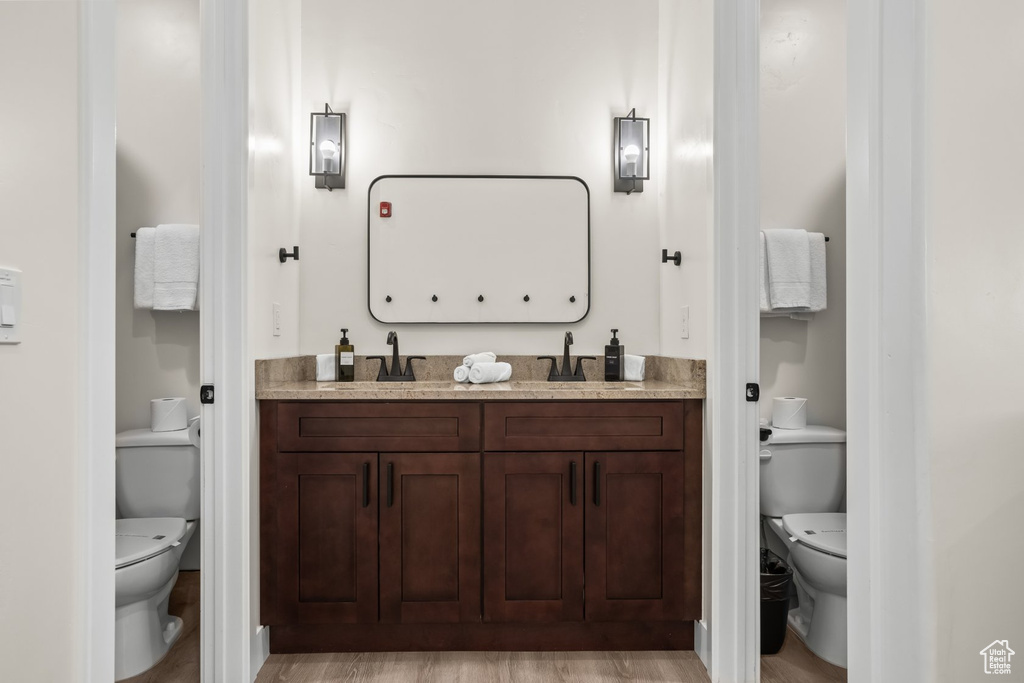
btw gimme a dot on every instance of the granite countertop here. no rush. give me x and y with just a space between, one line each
294 379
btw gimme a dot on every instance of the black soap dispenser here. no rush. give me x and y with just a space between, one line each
614 367
345 358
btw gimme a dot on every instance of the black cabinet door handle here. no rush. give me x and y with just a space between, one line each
597 483
572 482
366 484
391 484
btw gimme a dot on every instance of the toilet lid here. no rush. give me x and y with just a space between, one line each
824 531
141 539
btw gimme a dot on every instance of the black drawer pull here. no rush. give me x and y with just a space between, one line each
572 482
391 484
597 483
366 484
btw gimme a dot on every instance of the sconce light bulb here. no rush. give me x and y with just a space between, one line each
328 149
630 154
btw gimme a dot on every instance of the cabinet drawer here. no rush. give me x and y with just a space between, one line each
417 427
599 425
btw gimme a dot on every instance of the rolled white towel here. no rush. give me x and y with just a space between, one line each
462 373
482 357
486 373
633 368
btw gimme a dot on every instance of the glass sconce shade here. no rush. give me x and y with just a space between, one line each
632 153
327 148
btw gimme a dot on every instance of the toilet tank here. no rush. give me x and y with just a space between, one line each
158 473
803 470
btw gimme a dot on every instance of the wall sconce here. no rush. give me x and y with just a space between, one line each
632 152
327 148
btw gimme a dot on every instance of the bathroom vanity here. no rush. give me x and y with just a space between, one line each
519 516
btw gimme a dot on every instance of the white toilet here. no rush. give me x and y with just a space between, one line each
158 495
803 487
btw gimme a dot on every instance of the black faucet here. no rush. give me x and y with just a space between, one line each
566 374
396 374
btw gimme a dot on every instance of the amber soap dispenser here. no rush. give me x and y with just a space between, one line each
345 358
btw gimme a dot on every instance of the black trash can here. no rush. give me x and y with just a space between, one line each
776 584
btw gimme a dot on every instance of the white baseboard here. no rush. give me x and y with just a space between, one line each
702 643
259 650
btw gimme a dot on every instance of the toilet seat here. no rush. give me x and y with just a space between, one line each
822 531
137 540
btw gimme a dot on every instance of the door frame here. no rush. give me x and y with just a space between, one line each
232 644
888 501
96 509
231 648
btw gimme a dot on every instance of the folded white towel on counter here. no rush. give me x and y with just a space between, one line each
482 357
462 373
144 244
176 268
486 373
633 367
789 268
326 367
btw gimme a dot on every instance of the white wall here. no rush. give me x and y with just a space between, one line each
277 147
471 87
157 182
38 406
685 118
974 173
803 185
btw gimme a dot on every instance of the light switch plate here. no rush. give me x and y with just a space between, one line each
277 320
684 322
10 306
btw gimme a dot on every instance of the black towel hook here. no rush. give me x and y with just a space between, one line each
283 254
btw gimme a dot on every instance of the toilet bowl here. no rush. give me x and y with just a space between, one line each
803 484
157 478
148 552
818 558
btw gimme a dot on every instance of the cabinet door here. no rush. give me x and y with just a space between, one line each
327 521
635 537
430 537
533 537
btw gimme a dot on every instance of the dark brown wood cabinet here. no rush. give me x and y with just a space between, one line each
543 525
635 533
430 538
533 537
328 531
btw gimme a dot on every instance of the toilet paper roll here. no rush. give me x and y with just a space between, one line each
193 431
167 414
789 412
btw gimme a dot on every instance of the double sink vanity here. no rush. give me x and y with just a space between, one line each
521 515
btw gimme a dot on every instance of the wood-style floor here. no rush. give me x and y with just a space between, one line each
794 664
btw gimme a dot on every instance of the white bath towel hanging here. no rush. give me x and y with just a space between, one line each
176 268
819 288
789 268
144 246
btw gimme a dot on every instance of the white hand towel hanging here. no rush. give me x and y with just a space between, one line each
145 240
789 268
176 268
